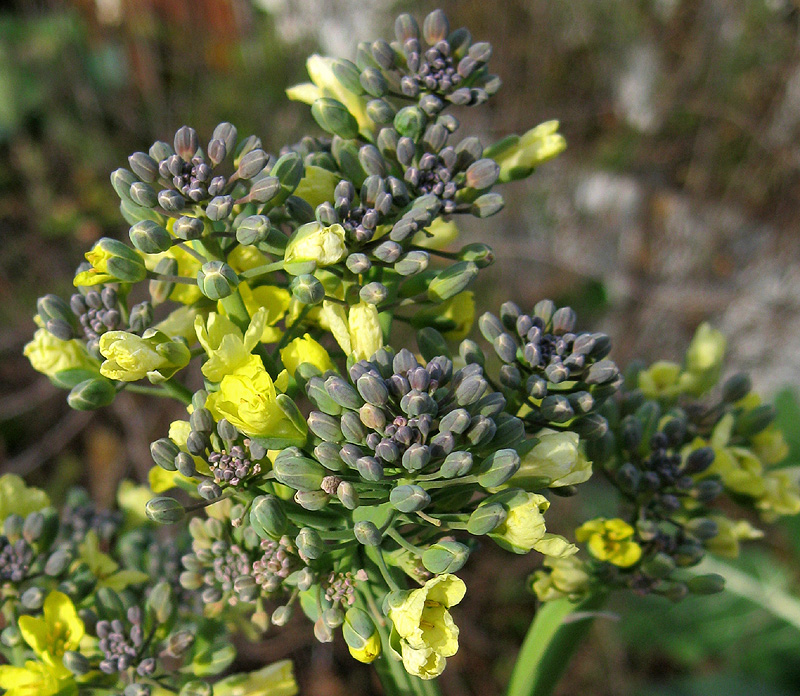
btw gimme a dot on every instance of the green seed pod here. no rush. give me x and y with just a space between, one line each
486 518
267 517
366 533
487 205
217 280
164 510
299 473
409 498
711 583
498 467
92 394
150 237
333 117
445 557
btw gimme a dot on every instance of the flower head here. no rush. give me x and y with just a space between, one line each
305 350
17 499
60 629
50 355
557 460
524 528
45 678
315 242
611 541
130 357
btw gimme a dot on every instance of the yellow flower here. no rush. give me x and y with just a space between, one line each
226 347
315 242
729 534
660 380
438 235
426 630
17 499
518 156
740 470
567 577
453 317
325 84
58 631
105 568
50 355
358 333
770 446
557 460
180 323
703 360
247 398
524 528
273 680
274 300
317 185
305 350
611 541
46 678
130 357
781 493
111 261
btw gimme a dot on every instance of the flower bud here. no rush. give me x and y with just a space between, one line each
367 533
111 260
299 473
196 688
361 635
149 237
699 460
309 544
445 557
409 498
660 565
217 280
498 467
91 394
32 599
410 122
57 563
267 517
141 317
456 464
333 117
481 255
164 451
486 518
711 583
755 420
347 495
76 663
487 205
452 281
735 388
164 510
160 601
188 228
313 241
307 289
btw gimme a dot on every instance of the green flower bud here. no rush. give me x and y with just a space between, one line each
487 205
380 111
112 260
410 122
57 563
160 602
347 495
92 394
253 229
445 557
252 163
481 255
121 181
219 207
374 293
735 388
264 189
32 599
188 228
324 426
216 280
498 467
456 464
164 510
144 166
486 518
312 500
755 420
659 565
361 635
267 517
309 543
711 583
471 353
76 663
367 533
297 472
699 460
143 194
186 143
150 237
333 117
452 281
307 289
412 263
196 688
409 498
482 174
11 637
164 451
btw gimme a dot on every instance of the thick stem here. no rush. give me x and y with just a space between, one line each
552 639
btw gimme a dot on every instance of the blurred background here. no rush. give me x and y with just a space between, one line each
676 202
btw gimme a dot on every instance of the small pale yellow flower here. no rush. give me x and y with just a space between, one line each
50 355
524 528
438 235
660 380
305 350
534 147
17 499
315 242
567 577
227 348
247 398
130 357
59 630
276 679
703 360
424 625
729 534
274 300
317 185
611 541
781 493
46 678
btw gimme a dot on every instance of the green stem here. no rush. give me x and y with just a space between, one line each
262 270
553 636
177 391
